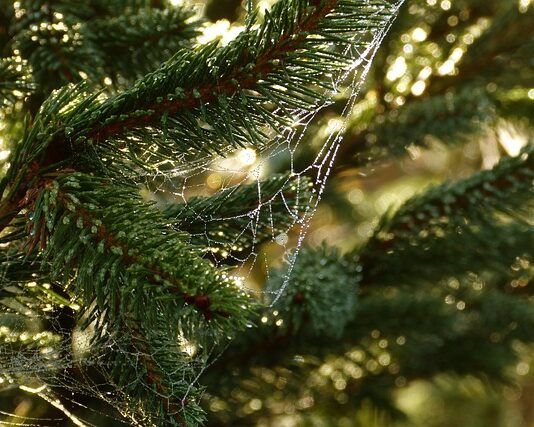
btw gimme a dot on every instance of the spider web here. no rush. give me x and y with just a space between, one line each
43 358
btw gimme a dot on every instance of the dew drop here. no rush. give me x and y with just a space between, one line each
281 239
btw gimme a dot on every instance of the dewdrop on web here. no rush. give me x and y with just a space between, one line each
282 239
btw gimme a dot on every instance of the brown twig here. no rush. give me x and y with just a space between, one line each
201 302
210 91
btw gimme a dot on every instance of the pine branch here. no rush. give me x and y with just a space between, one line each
452 118
392 339
30 156
212 84
445 110
146 270
491 211
489 56
157 384
153 377
47 36
320 297
135 287
242 79
319 301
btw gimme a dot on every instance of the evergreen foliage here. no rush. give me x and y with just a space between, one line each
141 304
321 299
489 212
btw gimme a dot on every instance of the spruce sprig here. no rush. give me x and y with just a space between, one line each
481 211
126 258
192 97
197 95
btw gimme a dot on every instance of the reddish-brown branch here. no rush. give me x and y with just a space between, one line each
210 91
201 302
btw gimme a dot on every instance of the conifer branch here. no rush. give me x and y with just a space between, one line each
453 119
154 378
475 210
113 244
164 388
137 42
241 80
319 301
447 109
490 54
52 45
233 81
242 76
419 336
87 222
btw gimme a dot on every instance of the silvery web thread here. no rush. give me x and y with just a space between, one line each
40 372
325 156
285 144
